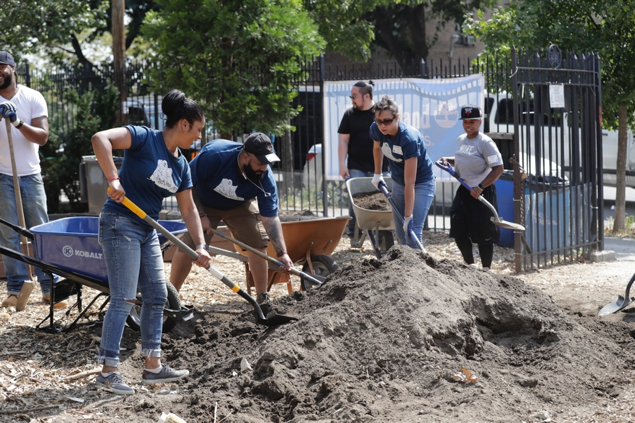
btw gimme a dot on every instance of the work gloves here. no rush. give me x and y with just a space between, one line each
8 111
377 178
407 225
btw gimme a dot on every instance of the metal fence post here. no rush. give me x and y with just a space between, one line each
325 197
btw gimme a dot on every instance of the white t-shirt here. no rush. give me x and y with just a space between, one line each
475 158
30 104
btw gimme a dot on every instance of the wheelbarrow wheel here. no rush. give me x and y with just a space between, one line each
173 303
322 265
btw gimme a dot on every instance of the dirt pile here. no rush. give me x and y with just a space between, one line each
406 339
371 201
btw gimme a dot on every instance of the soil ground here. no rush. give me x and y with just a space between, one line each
410 338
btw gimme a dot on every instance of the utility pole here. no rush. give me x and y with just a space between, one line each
118 29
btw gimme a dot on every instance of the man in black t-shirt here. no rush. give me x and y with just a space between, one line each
355 143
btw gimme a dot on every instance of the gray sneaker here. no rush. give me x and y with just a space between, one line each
167 374
264 302
263 298
114 383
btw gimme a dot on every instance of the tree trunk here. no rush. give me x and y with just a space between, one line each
620 192
119 51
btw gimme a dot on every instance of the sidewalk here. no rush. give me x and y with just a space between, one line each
624 248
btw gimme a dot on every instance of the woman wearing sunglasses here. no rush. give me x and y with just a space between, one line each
410 167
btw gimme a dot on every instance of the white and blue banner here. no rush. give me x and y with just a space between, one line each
430 105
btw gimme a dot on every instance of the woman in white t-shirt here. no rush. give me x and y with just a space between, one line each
479 163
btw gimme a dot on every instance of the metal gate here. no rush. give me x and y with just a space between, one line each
557 171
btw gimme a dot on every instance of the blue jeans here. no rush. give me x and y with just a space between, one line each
35 213
133 260
424 194
356 173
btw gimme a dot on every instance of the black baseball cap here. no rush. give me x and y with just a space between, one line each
471 112
6 58
260 146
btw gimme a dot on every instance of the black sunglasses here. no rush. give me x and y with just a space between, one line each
384 122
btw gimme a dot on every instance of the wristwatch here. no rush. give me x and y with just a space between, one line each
481 187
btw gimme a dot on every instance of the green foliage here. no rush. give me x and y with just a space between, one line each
603 27
239 59
43 23
350 27
59 29
400 27
91 112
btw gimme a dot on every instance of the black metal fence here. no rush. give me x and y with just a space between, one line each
296 177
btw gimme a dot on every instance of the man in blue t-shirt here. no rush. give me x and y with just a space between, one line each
234 183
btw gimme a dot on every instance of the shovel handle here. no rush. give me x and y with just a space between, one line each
384 189
266 257
448 168
496 219
24 243
193 255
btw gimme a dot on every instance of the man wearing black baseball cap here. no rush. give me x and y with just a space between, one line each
233 182
260 146
27 112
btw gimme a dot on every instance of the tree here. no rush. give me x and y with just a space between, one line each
399 26
29 25
240 59
91 111
58 27
605 27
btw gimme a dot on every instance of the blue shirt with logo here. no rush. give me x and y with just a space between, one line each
220 182
407 143
149 173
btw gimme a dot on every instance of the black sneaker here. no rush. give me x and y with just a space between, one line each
167 374
114 383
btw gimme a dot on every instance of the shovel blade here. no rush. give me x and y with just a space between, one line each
615 306
276 320
508 225
271 317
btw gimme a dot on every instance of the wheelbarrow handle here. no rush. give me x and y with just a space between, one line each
383 188
217 274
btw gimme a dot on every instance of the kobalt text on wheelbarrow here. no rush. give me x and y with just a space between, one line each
68 247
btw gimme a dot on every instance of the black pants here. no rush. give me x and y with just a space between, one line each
471 222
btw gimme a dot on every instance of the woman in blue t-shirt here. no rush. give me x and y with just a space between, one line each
410 167
152 169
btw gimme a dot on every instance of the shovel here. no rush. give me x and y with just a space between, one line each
272 318
383 188
495 219
306 276
620 303
27 286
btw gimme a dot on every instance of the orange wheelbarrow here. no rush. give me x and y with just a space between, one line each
310 242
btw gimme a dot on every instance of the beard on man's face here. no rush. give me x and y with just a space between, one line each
252 175
8 80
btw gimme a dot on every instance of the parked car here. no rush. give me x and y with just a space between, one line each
312 174
500 119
